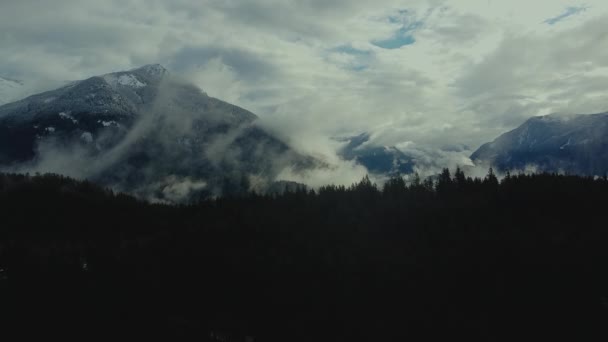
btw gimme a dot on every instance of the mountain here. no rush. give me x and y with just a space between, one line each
376 159
575 144
9 89
145 132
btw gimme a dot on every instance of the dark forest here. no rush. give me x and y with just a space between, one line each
522 258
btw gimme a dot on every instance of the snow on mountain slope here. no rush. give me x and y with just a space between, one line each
145 132
123 80
553 143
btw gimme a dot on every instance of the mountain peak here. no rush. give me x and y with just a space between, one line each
136 78
554 117
151 70
159 139
572 143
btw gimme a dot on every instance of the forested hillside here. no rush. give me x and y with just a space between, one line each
524 258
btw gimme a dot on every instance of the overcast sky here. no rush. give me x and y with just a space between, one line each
413 73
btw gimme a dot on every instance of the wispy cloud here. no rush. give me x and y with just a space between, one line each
349 57
570 11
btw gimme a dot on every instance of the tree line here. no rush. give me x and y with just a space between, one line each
523 257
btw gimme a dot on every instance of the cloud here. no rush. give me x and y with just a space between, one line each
430 161
350 58
317 69
339 173
174 189
533 74
249 66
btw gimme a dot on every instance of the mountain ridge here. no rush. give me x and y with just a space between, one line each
145 132
552 143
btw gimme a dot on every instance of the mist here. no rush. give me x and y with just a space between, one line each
179 144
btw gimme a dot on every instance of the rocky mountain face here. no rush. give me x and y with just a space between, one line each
576 144
383 160
144 132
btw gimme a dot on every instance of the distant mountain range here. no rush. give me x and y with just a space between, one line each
145 132
148 133
576 144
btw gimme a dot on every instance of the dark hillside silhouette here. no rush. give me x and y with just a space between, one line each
524 258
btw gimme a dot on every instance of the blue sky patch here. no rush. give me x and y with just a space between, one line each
402 37
395 42
570 11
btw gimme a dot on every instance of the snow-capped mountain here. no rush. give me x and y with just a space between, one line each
554 143
145 132
9 89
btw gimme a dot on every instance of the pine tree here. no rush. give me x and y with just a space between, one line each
460 179
444 183
395 186
491 181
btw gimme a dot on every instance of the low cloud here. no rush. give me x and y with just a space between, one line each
338 173
174 189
